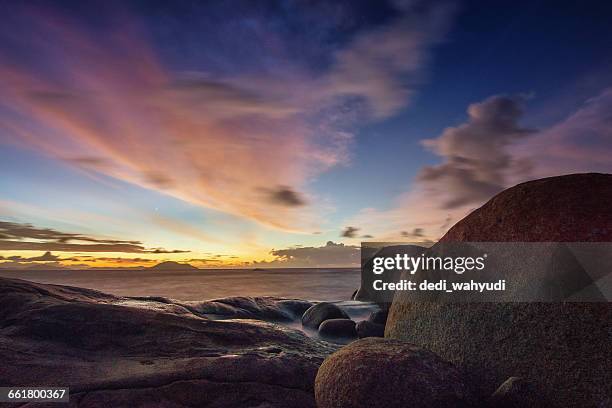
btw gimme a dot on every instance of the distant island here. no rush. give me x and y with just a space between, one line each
172 266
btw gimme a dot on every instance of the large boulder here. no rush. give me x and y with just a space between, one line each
385 373
317 314
115 351
563 349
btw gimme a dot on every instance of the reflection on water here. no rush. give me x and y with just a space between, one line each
311 284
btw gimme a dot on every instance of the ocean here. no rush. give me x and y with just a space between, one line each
302 283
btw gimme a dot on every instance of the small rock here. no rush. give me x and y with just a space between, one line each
338 328
379 317
384 373
515 392
317 314
366 328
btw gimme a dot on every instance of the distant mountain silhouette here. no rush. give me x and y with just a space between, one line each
172 266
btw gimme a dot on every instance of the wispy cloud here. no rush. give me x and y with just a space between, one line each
26 237
246 143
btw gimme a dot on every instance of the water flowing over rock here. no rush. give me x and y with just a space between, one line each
317 314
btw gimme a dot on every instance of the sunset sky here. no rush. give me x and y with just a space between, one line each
283 133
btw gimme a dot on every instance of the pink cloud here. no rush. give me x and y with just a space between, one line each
246 145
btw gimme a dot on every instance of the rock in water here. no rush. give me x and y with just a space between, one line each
366 328
317 314
563 349
387 373
121 352
344 328
379 317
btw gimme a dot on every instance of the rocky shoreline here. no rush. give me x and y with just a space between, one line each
118 351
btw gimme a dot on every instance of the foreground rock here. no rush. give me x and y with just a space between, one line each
116 351
317 314
386 373
338 328
563 349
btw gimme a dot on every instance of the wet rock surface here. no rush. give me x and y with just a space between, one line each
317 314
385 373
119 351
338 328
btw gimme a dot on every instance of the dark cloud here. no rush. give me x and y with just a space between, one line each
159 180
416 233
349 232
329 255
367 236
202 90
476 158
25 237
47 257
18 231
447 223
89 162
286 196
165 251
122 260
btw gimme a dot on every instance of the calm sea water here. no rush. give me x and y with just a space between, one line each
311 284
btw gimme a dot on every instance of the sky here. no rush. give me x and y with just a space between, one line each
283 133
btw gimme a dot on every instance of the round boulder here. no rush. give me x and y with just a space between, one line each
344 328
366 328
561 348
387 373
317 314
